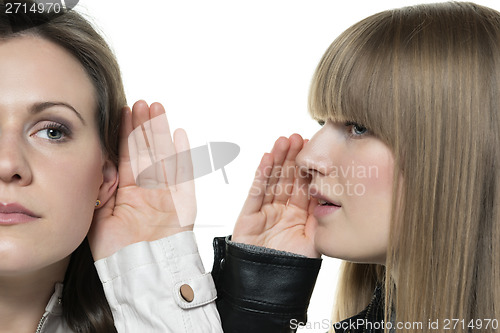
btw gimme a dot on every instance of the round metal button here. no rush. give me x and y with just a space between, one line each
187 293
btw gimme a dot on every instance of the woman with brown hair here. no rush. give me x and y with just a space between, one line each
68 170
401 182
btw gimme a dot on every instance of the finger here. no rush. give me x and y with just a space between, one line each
311 222
300 195
164 150
184 172
313 202
285 185
184 196
146 176
255 199
279 151
125 165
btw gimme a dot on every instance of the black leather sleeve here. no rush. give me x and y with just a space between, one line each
261 292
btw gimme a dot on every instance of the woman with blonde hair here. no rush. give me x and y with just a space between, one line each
401 182
83 247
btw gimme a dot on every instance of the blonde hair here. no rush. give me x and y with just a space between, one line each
425 80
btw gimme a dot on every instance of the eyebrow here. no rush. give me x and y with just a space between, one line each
39 107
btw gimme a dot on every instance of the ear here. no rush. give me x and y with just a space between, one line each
109 182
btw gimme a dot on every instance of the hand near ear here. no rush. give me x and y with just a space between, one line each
278 211
155 196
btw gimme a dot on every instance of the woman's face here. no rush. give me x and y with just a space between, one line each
352 176
51 162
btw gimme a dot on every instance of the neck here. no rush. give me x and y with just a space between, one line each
23 297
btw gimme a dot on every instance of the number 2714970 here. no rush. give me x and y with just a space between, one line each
42 7
452 324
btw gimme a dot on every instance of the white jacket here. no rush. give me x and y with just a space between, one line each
142 285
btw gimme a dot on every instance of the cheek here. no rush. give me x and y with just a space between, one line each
75 181
376 183
372 175
371 211
359 231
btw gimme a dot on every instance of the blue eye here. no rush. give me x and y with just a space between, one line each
356 129
53 132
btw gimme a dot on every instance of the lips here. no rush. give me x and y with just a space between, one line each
14 213
327 203
323 200
326 206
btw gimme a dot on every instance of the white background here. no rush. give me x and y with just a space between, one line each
235 71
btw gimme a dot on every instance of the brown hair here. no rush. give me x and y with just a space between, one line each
424 79
84 304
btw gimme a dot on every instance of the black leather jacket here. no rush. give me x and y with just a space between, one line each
269 291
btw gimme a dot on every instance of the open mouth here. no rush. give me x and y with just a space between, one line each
326 203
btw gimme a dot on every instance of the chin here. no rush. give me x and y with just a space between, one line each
15 265
365 259
343 253
331 246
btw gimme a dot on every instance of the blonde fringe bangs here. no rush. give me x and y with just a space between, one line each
351 79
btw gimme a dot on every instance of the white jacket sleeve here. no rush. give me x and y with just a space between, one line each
143 281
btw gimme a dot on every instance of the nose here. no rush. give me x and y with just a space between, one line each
14 167
316 156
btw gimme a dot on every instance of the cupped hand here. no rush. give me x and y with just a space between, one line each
278 210
155 196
